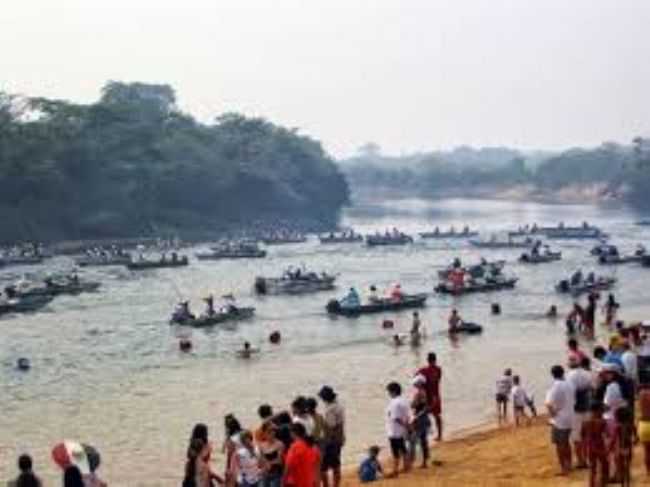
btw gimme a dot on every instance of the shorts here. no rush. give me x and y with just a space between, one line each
435 406
644 431
501 398
398 447
519 409
331 456
576 426
560 436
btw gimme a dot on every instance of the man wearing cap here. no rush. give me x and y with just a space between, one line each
560 402
334 437
433 374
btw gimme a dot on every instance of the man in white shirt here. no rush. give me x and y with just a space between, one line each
560 402
582 382
613 399
630 363
398 415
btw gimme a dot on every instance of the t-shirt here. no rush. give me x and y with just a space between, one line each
504 385
334 423
432 375
398 411
582 383
307 422
248 466
368 470
630 364
561 397
613 399
300 464
519 396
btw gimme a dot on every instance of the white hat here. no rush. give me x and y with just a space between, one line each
419 380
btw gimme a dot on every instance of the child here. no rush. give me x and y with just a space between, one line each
519 401
622 444
504 386
370 467
594 438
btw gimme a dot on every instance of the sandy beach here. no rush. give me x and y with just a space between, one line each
499 457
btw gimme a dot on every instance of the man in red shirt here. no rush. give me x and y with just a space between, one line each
433 374
302 462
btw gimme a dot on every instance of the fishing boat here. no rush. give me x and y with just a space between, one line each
395 238
237 250
23 304
339 238
51 287
451 234
494 243
467 328
603 248
540 258
230 313
163 263
408 301
476 286
282 239
578 287
7 260
476 270
102 260
613 257
297 281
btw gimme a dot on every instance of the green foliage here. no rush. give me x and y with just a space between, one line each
133 164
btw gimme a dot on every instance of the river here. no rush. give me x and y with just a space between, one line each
106 367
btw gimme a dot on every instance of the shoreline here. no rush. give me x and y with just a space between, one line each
489 455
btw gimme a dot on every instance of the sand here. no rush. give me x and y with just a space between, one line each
496 457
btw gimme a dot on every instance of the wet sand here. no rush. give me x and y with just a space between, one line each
499 457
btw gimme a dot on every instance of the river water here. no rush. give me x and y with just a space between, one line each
106 368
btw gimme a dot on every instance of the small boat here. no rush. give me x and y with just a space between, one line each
295 282
24 304
582 232
141 265
408 301
233 313
530 258
493 243
385 240
102 260
604 249
608 259
475 270
51 287
476 286
467 328
345 237
248 250
20 260
451 234
565 286
284 239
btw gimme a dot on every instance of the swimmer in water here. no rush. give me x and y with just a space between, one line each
247 352
397 341
552 312
416 334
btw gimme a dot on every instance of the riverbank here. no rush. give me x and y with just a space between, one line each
503 457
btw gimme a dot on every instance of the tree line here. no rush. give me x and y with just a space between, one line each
133 164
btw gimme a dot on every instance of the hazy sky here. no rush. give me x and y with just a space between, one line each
408 74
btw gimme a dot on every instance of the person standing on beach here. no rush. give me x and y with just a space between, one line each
301 464
502 395
432 373
334 438
644 423
581 381
397 424
560 402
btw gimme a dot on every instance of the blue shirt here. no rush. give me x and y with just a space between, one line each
368 470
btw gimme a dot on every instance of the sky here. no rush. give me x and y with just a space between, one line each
410 75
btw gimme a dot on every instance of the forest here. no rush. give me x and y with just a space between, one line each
617 169
132 164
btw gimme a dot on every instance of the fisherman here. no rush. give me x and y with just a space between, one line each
396 293
466 230
640 250
591 278
576 278
456 264
372 295
351 300
209 308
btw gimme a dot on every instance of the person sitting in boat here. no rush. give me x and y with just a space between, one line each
457 263
454 321
436 230
576 278
613 251
373 297
74 278
640 250
396 293
351 300
182 312
591 278
174 257
209 305
466 230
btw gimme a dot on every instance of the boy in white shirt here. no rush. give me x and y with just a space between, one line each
520 399
398 416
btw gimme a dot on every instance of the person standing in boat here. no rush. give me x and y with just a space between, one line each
209 305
